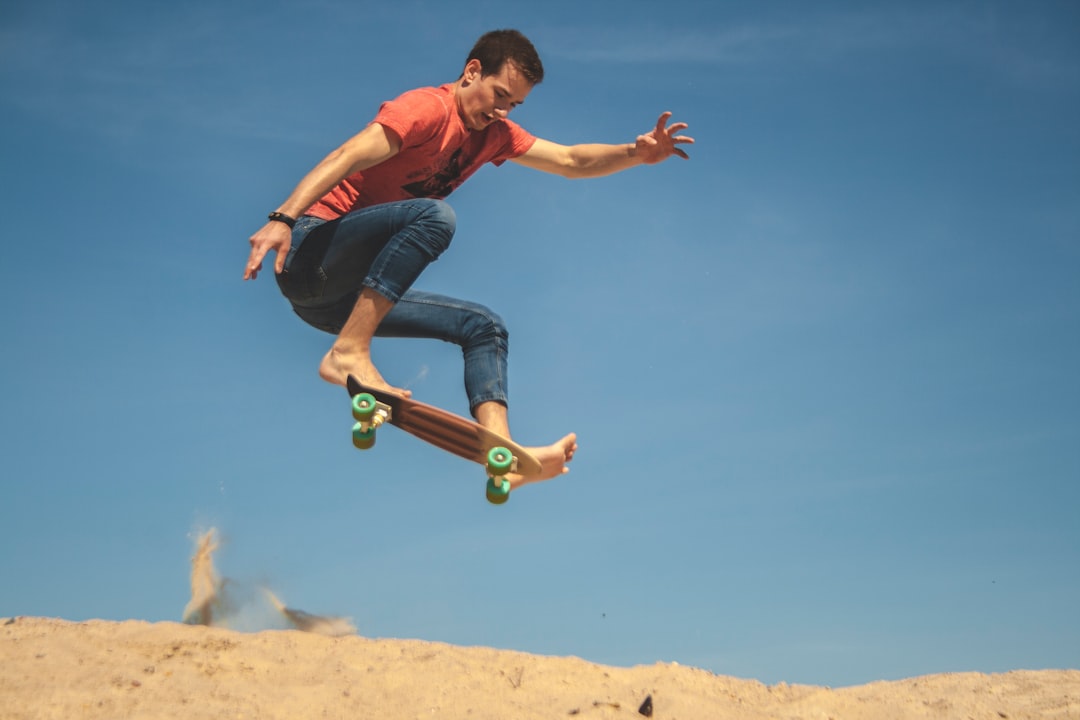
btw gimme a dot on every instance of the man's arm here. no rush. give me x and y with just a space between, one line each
597 160
368 148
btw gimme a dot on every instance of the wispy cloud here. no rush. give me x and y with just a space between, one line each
730 46
1025 48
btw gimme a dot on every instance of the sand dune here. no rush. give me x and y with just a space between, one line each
97 669
320 668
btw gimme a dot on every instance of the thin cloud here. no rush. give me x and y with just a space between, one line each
969 33
728 47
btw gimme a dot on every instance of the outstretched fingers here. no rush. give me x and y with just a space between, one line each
670 132
662 141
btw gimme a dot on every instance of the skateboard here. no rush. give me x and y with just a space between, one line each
443 429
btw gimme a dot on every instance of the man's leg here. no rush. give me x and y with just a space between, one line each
479 332
484 343
351 352
553 458
344 276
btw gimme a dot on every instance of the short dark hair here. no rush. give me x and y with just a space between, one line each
494 48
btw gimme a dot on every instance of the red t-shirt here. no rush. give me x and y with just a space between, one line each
437 154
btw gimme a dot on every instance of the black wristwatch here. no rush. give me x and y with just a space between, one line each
282 217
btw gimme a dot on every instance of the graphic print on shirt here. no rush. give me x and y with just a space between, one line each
442 183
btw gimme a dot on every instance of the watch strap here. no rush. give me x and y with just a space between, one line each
283 218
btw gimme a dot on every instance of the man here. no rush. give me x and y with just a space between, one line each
364 223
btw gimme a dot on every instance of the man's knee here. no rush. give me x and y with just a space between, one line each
484 326
443 214
439 222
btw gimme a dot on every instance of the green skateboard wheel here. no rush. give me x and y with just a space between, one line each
363 439
363 407
498 491
499 461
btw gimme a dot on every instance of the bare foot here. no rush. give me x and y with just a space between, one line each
337 365
553 459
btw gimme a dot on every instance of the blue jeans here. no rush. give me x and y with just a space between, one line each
385 248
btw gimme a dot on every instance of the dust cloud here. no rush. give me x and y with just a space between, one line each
221 602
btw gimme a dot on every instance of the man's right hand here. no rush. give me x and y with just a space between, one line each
274 236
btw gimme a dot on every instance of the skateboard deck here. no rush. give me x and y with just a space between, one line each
456 435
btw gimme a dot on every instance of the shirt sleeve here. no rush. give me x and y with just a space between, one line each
518 142
415 117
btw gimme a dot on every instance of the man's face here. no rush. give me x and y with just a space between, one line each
484 100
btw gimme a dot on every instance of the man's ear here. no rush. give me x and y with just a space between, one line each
473 71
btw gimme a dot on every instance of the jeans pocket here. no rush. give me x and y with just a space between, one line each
304 279
303 285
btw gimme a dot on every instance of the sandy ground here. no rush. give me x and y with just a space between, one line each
316 666
97 669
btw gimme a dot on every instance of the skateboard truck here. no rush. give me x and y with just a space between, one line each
369 414
499 462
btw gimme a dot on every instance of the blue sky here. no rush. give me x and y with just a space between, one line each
824 374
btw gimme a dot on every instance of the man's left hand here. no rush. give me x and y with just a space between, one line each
662 142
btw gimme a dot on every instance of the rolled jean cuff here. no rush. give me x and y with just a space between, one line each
382 289
475 402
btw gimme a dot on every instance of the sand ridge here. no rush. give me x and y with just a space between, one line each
206 667
134 669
